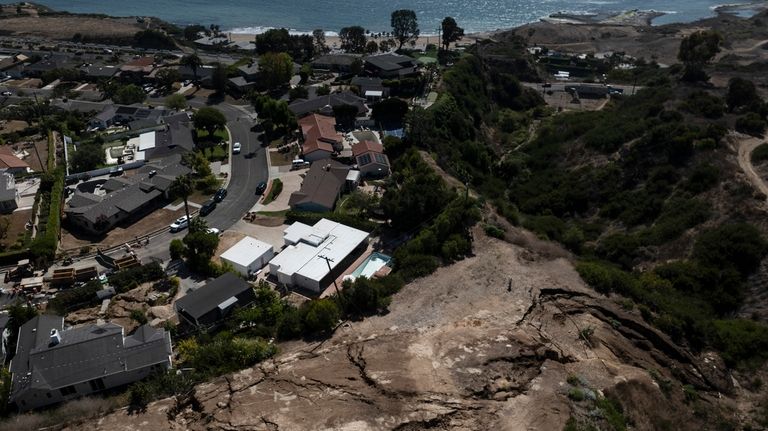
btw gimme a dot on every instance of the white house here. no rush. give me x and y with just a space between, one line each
312 253
248 255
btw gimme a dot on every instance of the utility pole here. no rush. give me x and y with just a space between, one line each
328 261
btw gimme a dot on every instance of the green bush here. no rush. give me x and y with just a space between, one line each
127 279
274 191
176 249
738 245
760 154
494 231
742 342
320 316
751 124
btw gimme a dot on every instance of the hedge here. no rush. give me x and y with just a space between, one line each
274 191
311 218
45 244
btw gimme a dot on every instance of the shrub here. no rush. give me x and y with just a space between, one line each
177 249
274 191
738 245
751 124
127 279
494 231
320 316
760 154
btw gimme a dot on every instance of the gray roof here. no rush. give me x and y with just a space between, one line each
205 299
390 62
301 107
335 59
7 186
249 69
322 184
84 353
137 191
240 82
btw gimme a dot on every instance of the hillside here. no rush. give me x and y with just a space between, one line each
482 344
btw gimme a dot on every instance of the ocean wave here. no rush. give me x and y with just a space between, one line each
260 30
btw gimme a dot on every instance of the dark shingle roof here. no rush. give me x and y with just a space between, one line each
301 107
207 298
390 62
322 184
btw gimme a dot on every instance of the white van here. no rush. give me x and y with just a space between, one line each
298 164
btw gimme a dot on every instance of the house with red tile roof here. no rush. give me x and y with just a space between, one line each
320 138
370 159
11 163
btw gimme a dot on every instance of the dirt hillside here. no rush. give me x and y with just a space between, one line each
492 342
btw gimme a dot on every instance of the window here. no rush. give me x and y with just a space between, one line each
97 385
67 390
364 159
380 158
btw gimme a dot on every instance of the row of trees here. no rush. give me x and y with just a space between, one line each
405 30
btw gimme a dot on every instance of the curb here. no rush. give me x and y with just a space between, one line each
225 184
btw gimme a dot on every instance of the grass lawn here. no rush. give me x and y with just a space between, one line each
218 136
280 159
216 153
273 213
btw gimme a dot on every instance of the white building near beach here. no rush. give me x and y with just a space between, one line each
313 253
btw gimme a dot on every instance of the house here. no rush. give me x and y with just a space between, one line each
203 74
218 40
325 181
314 255
53 364
11 163
320 138
372 89
174 138
5 317
120 114
325 104
212 303
390 65
138 69
370 159
239 85
248 255
341 63
9 197
98 72
124 199
249 71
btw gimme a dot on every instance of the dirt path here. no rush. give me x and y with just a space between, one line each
745 147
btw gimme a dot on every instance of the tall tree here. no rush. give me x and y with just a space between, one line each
353 39
167 76
405 26
219 78
319 37
274 40
176 101
696 50
276 69
209 119
193 62
182 187
371 47
451 32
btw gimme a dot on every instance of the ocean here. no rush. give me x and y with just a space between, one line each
253 16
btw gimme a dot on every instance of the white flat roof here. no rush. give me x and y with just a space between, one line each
374 93
246 251
146 141
304 259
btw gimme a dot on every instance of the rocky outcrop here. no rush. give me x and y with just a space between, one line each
491 342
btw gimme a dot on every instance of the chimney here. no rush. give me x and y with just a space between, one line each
328 167
55 337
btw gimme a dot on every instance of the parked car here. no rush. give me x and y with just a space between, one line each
6 93
214 231
220 195
207 207
236 147
261 187
181 223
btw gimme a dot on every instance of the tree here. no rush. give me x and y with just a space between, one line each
181 187
405 26
88 156
320 315
742 93
129 94
371 47
385 45
176 101
276 69
696 50
191 32
193 62
356 67
274 40
219 78
200 248
345 115
176 248
323 90
209 119
319 38
274 113
451 32
390 111
298 92
167 76
353 39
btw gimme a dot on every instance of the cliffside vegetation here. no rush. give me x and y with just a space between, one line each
641 191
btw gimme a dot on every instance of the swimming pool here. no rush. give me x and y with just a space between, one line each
371 265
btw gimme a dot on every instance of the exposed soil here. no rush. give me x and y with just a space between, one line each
486 343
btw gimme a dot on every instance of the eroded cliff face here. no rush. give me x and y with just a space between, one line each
497 341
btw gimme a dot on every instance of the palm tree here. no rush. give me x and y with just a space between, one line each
182 188
193 62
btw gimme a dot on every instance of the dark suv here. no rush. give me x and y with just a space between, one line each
261 187
207 207
220 194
